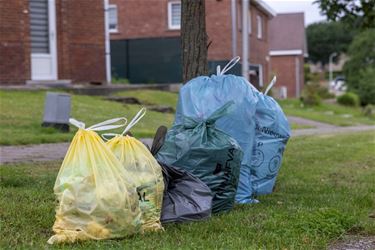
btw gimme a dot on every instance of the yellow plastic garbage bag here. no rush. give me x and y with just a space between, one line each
144 170
96 198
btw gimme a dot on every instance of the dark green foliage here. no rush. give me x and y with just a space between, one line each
324 93
325 38
369 110
314 92
366 86
307 72
348 99
360 69
358 14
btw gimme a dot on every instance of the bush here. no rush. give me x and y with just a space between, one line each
369 111
310 95
324 93
314 92
366 86
307 72
359 70
348 99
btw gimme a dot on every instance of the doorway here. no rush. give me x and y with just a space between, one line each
43 39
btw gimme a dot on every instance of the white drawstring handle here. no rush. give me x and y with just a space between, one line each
135 120
108 136
106 125
76 123
270 85
227 67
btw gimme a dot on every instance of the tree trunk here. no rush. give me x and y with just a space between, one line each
193 39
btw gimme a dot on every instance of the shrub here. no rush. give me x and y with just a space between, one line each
366 86
307 72
348 99
369 111
310 95
359 70
324 93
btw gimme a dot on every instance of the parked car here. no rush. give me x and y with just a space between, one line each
338 86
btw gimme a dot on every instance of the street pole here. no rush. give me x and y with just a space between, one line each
331 56
107 43
234 28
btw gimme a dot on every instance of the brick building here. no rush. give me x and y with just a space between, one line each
145 38
52 40
288 48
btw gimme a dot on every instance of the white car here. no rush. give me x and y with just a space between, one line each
338 86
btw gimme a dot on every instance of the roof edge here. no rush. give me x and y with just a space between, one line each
265 7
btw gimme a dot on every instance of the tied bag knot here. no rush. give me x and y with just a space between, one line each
191 123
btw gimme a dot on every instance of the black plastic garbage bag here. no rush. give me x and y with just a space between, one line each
186 198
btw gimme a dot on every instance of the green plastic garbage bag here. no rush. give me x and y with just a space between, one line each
198 147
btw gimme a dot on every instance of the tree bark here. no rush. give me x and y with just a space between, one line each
193 39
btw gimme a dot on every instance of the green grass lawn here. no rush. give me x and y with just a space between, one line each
299 126
152 97
22 114
325 190
328 113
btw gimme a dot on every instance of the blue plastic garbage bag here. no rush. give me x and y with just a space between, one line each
201 96
271 136
198 147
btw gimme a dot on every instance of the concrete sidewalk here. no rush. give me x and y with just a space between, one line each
57 151
38 152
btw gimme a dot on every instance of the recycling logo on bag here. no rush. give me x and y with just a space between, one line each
273 165
258 158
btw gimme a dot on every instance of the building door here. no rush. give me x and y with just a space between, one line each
43 39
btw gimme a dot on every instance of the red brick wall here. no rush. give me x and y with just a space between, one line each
259 47
14 42
142 19
81 41
219 29
284 67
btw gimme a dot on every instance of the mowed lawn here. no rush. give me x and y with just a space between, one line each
330 113
22 114
325 190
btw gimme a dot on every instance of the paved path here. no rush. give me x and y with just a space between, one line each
56 151
332 130
303 121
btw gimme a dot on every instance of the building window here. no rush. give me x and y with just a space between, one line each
113 22
174 15
259 27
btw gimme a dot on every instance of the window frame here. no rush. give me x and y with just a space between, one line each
112 30
171 26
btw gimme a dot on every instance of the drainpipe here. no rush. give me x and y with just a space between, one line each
298 77
234 28
245 39
107 43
